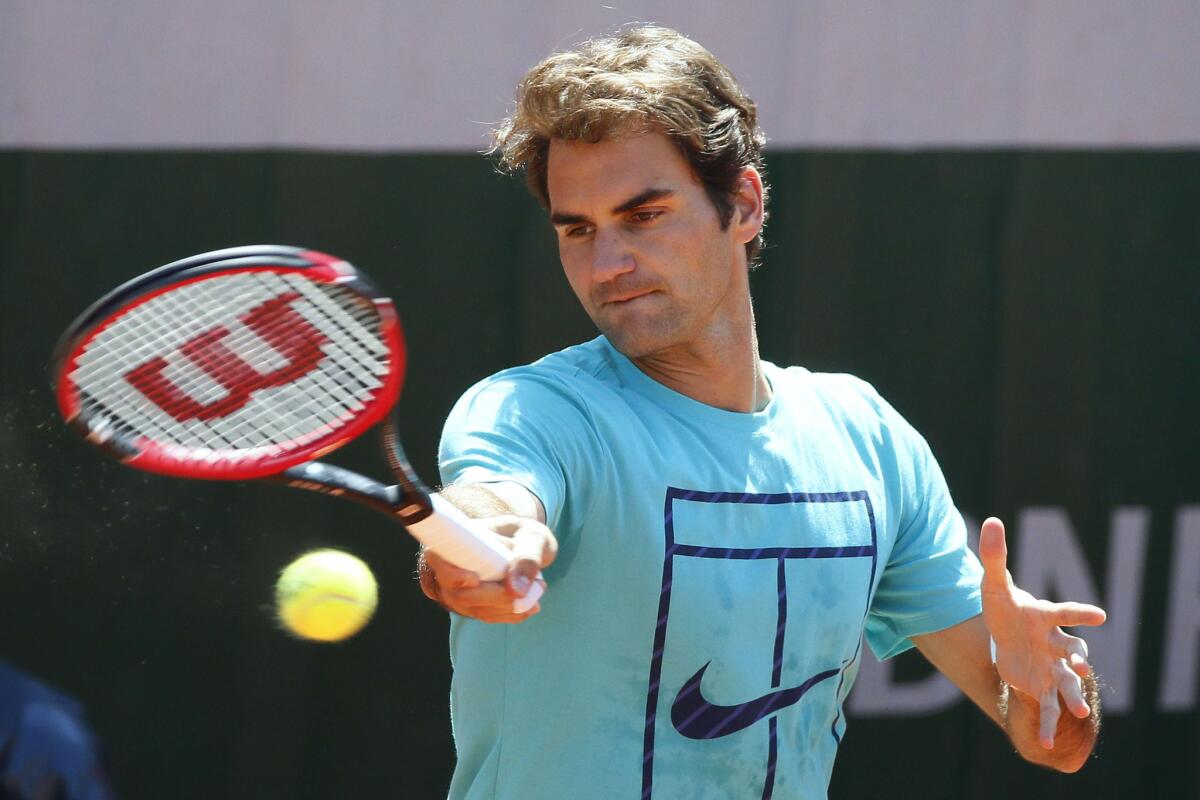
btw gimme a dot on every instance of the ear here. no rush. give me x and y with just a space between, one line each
748 205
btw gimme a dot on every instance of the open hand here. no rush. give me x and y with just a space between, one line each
1033 654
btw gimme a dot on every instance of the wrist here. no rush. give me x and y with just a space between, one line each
1074 738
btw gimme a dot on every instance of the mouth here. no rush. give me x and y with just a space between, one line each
625 297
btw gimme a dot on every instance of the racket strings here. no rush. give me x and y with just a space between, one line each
159 327
149 332
279 421
183 368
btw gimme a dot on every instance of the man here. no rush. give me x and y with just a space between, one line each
724 530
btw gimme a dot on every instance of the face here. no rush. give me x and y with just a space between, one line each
642 246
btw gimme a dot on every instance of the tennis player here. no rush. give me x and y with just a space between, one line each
718 533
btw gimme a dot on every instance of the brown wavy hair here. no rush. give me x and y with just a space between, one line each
641 80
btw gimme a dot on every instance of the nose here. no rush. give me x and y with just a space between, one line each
611 255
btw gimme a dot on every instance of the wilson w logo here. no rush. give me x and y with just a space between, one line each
275 322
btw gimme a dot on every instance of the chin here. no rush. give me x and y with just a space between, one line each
633 343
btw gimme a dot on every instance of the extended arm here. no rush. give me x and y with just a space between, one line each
1039 670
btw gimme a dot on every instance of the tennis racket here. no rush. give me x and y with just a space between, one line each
251 362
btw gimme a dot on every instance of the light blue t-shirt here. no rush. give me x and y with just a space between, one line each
716 573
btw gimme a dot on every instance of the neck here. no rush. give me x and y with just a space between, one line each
723 371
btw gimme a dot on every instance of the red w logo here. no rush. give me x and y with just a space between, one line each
275 322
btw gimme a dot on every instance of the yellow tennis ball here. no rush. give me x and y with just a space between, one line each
325 595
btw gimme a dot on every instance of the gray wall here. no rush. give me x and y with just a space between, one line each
385 75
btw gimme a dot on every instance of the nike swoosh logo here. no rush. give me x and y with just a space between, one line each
696 718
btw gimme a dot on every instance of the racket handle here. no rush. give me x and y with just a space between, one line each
465 543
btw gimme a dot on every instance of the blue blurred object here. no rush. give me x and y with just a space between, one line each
47 751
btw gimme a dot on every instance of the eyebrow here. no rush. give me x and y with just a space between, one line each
648 196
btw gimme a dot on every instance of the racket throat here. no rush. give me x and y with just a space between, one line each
412 501
411 505
407 504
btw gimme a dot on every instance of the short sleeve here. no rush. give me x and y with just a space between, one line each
931 579
522 427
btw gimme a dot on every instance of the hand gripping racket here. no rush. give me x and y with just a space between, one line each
250 362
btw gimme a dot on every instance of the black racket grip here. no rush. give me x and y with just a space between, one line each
333 480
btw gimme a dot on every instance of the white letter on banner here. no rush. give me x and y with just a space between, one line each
877 693
1051 565
1181 659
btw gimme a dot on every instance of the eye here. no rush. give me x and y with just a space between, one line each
645 215
575 231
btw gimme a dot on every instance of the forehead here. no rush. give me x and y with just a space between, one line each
580 174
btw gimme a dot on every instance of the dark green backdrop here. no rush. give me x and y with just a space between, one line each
1034 314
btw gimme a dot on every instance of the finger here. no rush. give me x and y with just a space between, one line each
993 553
529 538
489 595
1071 688
506 525
1064 644
1079 665
1048 704
489 602
1075 651
450 576
499 609
533 545
1070 614
549 548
